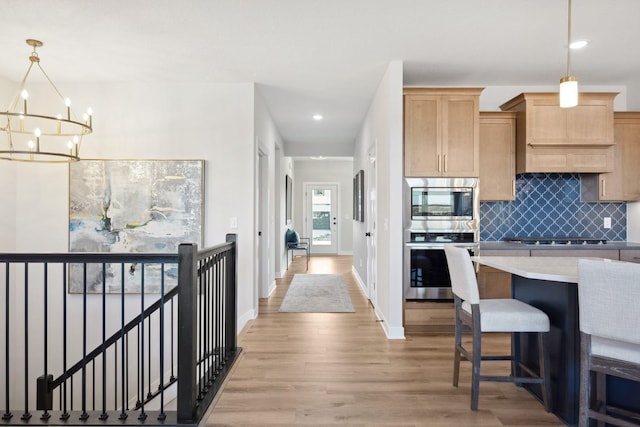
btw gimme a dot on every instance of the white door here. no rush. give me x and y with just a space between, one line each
263 226
371 230
321 217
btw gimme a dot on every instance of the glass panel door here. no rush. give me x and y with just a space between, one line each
322 218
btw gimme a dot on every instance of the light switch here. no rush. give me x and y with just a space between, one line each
607 222
233 223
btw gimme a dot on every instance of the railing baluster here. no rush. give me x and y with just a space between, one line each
173 377
162 416
125 364
143 415
103 416
83 394
26 415
45 414
199 324
149 394
65 413
7 327
115 376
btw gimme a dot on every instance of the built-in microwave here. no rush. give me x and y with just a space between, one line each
442 204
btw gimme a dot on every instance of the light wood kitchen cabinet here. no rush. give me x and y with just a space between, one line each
623 184
554 139
493 283
497 156
441 132
630 255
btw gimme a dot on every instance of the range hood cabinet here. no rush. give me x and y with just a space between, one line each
565 140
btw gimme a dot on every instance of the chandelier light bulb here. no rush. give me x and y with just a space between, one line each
76 139
31 144
24 94
37 132
69 144
90 111
67 102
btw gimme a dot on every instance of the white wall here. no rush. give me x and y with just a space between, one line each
214 122
268 139
284 166
383 126
327 171
7 183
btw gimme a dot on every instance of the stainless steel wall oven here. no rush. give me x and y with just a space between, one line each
438 211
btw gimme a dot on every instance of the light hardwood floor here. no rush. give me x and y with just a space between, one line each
340 369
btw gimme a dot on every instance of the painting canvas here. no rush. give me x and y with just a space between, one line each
133 206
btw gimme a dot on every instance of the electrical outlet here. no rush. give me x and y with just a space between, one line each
607 222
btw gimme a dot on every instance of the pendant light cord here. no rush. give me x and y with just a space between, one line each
569 40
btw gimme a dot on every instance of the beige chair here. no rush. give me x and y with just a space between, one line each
492 315
608 295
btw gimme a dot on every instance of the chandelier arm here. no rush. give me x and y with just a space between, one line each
50 82
14 103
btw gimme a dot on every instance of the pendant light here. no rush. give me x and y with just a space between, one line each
569 83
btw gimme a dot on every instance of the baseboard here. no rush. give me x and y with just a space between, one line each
272 287
345 252
393 333
359 281
245 318
278 275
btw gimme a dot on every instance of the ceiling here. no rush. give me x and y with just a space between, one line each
323 56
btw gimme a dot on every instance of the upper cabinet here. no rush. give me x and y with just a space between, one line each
497 156
623 184
554 139
441 132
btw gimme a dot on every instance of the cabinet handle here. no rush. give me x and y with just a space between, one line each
438 162
445 162
514 188
604 187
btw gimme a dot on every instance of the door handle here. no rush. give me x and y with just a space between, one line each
367 234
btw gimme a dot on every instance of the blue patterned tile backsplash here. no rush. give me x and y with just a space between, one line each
548 204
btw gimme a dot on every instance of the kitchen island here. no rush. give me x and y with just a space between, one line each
551 284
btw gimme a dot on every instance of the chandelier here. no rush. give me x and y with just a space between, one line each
569 83
33 136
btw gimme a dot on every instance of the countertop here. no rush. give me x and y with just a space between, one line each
561 269
512 246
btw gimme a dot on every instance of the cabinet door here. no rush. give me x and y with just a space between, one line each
497 156
493 283
630 255
422 114
623 184
460 136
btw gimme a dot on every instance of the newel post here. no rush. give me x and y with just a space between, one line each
231 291
187 332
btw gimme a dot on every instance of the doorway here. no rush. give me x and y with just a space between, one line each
321 217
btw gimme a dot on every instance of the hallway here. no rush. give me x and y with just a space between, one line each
340 369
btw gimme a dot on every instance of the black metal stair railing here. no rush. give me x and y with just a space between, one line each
187 335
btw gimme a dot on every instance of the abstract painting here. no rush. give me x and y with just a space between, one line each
139 206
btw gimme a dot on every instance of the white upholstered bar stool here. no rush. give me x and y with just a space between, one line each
608 295
492 315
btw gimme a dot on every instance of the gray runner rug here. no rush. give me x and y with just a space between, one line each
317 293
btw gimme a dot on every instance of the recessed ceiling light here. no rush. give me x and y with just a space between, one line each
317 117
318 157
579 44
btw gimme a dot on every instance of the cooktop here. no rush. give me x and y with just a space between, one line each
555 240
